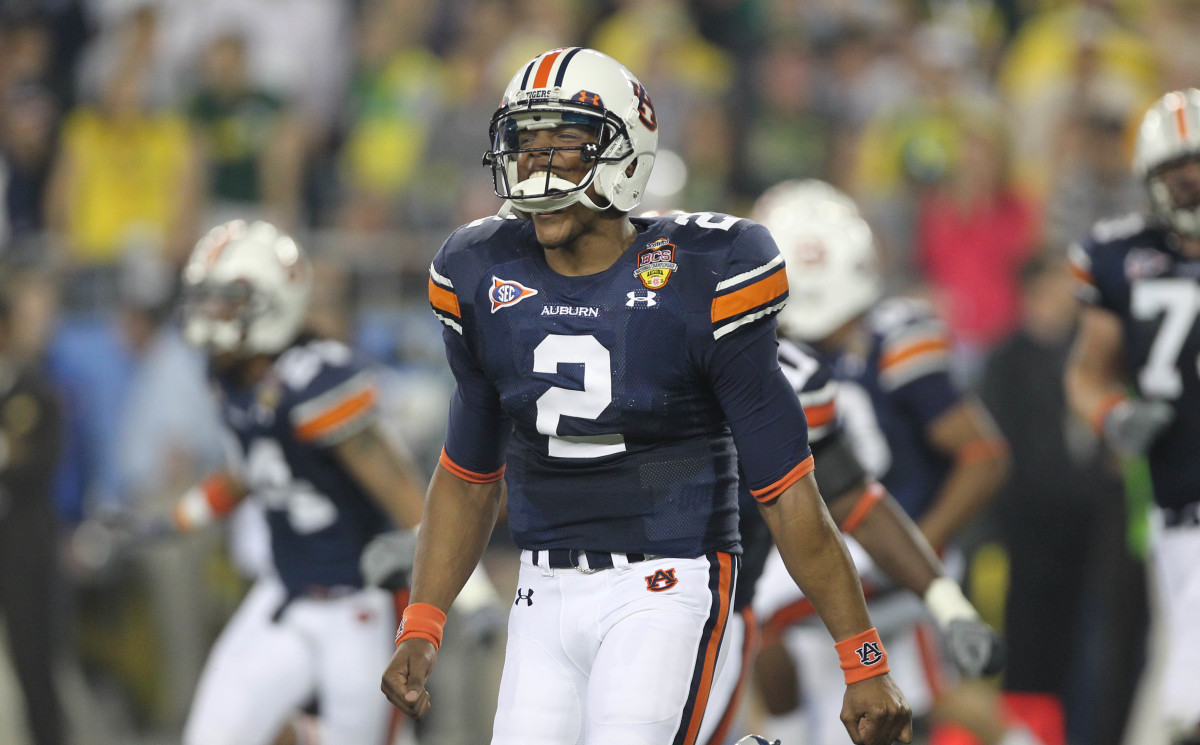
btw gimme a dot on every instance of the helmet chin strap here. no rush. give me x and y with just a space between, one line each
550 202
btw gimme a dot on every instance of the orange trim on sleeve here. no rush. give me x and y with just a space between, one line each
465 475
712 649
862 656
767 493
337 415
760 293
1107 405
821 414
1079 273
867 501
980 450
893 358
543 72
443 299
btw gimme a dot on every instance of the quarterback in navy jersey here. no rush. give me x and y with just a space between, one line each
932 447
302 414
1134 372
615 372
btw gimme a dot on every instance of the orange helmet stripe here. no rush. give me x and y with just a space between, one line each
543 72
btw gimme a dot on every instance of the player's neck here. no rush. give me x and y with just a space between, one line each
595 249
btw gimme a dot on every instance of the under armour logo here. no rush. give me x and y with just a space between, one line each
526 596
868 653
640 296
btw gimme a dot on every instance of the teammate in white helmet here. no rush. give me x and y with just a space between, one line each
918 437
304 439
615 372
1134 372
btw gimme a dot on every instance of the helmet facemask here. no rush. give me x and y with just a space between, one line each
1175 197
218 316
544 191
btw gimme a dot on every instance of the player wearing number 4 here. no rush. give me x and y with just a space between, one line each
614 371
302 414
1135 370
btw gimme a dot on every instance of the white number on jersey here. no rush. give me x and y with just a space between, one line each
268 476
299 365
862 428
588 403
707 220
1177 300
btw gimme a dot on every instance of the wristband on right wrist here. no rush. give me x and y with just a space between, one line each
422 621
862 656
1104 409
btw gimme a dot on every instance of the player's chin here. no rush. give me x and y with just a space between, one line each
554 229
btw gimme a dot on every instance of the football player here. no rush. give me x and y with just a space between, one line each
614 371
1134 375
302 415
931 446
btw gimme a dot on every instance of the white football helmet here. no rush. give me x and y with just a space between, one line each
575 86
829 250
1170 133
245 289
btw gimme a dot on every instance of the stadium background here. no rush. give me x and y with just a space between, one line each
975 135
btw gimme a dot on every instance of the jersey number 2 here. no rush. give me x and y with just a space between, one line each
589 403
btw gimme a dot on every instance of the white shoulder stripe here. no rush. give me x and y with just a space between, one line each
819 397
439 279
450 323
725 284
748 319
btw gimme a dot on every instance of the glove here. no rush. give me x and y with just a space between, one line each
1132 426
388 558
974 647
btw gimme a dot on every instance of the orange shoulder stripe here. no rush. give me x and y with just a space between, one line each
465 475
337 415
443 299
767 493
760 293
1079 273
895 357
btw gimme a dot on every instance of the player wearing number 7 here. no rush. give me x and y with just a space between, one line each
614 371
1138 277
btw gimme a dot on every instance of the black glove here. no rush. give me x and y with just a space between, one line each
388 558
1134 424
974 647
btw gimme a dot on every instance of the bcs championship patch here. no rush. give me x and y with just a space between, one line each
655 264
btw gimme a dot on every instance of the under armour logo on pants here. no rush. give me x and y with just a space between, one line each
526 596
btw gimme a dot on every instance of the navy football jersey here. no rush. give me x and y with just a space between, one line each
612 402
890 396
813 384
1130 267
316 395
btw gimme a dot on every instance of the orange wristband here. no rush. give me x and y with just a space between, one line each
203 503
862 656
421 621
1107 405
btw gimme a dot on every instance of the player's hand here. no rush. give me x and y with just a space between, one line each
974 647
875 712
406 675
388 558
1134 424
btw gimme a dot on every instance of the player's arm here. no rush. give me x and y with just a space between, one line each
208 501
1096 390
382 468
967 434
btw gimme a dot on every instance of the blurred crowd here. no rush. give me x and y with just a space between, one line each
977 135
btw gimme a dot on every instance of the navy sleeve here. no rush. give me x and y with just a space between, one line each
763 412
478 430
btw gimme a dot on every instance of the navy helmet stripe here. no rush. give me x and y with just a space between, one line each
562 66
528 72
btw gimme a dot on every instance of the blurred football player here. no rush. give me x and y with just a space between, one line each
1134 373
305 440
931 446
620 369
